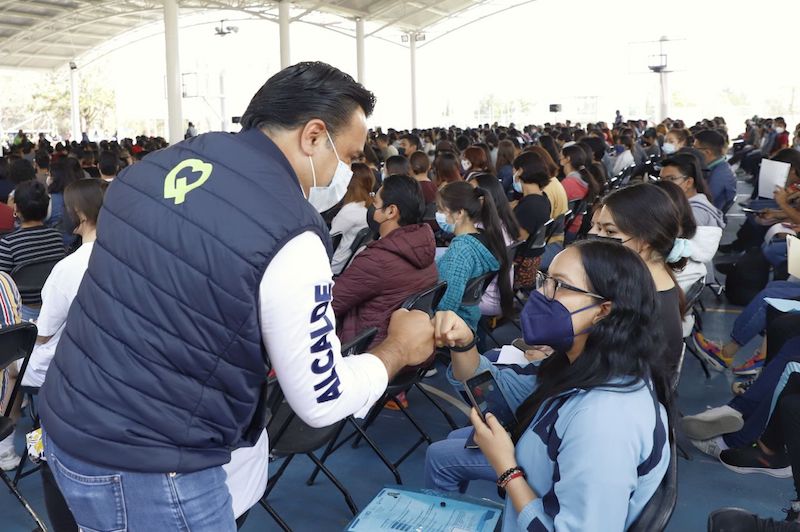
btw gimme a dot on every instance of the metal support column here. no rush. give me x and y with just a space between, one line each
174 89
360 49
412 46
75 98
283 23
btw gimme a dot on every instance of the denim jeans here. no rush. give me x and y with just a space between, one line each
450 467
104 499
753 319
755 404
29 313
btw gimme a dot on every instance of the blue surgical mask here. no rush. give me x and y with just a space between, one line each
668 148
546 322
441 220
517 186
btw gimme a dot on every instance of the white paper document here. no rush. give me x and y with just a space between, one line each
773 174
511 355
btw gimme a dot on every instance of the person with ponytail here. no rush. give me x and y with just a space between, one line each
473 252
645 219
572 461
579 182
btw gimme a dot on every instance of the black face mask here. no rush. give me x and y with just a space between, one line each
401 151
374 226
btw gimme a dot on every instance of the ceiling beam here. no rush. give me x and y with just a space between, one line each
419 9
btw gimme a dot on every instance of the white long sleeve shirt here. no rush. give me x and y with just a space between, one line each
299 331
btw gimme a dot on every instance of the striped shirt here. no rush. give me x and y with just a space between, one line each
26 245
9 315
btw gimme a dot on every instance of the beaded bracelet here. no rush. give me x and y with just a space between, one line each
514 472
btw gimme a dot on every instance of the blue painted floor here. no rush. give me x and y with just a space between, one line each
704 485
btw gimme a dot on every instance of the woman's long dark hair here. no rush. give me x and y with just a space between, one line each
580 162
492 185
549 144
688 223
61 175
623 345
647 213
479 206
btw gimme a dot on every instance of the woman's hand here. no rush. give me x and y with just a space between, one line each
784 197
538 352
449 330
494 441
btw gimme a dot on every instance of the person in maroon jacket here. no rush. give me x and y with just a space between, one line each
389 270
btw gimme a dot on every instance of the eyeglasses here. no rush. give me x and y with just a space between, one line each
548 286
673 178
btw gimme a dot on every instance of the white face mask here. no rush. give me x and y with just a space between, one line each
323 198
779 130
465 164
668 148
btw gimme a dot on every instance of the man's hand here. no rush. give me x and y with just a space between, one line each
450 330
414 331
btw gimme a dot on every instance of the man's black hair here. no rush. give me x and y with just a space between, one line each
712 140
31 200
405 193
303 92
21 170
413 139
397 164
108 163
42 159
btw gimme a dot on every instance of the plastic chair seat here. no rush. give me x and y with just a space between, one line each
298 437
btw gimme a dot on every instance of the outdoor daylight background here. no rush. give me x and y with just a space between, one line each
730 58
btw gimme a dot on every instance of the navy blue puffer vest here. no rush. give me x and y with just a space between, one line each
162 364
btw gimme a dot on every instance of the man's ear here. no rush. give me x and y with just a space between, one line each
605 310
392 212
312 136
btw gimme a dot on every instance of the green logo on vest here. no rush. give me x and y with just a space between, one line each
177 187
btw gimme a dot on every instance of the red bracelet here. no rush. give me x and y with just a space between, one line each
512 476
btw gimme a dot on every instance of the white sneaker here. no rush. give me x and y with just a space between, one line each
711 447
712 422
9 460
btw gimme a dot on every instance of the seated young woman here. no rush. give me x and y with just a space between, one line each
352 217
490 302
474 251
643 218
531 176
601 326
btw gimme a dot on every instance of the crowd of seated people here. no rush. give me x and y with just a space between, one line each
446 204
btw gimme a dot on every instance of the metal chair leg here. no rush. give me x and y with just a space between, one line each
278 474
277 518
374 446
23 502
328 450
348 499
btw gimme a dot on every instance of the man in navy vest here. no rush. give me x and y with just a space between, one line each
211 254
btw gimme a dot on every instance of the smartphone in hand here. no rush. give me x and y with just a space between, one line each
486 396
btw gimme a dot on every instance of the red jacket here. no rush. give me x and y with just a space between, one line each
381 277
